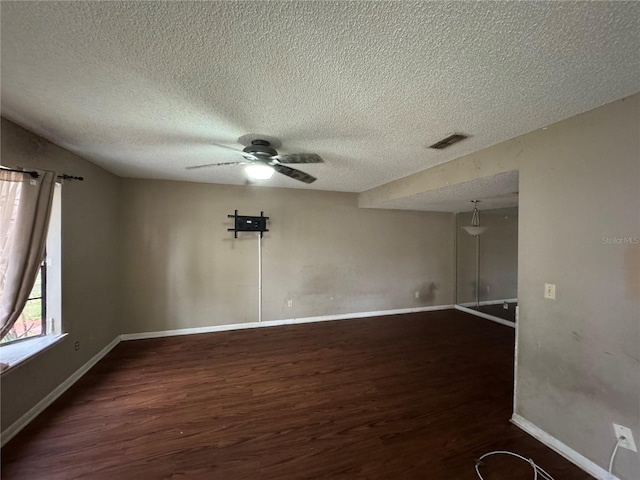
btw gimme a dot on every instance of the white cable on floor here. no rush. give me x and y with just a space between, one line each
536 469
613 455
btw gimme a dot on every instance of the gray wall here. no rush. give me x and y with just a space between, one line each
579 355
498 257
90 270
183 269
163 248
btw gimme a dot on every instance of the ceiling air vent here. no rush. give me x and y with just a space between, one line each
447 142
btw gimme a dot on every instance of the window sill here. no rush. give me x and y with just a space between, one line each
20 352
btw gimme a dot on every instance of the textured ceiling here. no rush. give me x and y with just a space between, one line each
145 89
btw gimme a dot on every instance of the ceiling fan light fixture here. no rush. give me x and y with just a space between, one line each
264 161
259 171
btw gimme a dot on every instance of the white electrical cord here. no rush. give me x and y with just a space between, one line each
536 469
613 455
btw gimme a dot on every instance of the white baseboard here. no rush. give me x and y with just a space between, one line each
274 323
36 410
486 316
489 302
559 447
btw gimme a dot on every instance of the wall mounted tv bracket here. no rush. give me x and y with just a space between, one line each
245 223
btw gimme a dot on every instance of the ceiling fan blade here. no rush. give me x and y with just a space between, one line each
213 165
226 147
293 173
300 158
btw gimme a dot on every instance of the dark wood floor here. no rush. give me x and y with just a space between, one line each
499 311
406 397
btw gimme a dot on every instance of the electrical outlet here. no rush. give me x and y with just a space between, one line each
77 346
289 303
550 291
417 294
625 432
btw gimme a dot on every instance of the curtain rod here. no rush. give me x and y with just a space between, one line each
35 174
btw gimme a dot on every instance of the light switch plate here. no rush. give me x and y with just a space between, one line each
550 291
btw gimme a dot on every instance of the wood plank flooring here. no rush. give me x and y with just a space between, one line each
498 311
405 397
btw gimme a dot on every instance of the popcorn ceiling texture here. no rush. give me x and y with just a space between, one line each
145 89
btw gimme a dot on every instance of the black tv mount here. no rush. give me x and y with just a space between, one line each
245 223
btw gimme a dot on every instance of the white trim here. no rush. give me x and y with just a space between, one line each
489 302
486 316
515 363
274 323
17 353
25 419
567 452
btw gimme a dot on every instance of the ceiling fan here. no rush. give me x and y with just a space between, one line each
262 160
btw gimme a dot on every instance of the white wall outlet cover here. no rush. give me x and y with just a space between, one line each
289 303
549 290
625 432
417 294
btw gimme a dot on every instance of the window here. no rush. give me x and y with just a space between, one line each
32 321
40 324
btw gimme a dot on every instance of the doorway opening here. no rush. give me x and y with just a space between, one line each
487 266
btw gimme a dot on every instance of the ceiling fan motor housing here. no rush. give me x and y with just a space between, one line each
260 148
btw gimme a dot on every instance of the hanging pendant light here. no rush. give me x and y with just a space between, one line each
475 229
